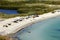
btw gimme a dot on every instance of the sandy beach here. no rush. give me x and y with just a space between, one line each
14 27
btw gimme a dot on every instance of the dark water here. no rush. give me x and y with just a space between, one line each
44 30
8 11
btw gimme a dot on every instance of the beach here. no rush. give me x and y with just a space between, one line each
14 27
48 29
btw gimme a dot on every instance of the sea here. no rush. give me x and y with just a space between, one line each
48 29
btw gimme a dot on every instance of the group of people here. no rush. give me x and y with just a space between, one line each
21 19
15 21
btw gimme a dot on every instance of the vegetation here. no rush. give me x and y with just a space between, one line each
51 2
4 38
25 8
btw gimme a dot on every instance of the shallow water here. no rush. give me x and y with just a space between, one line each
8 11
45 30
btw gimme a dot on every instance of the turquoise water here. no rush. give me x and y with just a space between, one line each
8 11
45 30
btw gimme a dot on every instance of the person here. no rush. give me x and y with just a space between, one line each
15 21
5 26
53 12
9 24
29 32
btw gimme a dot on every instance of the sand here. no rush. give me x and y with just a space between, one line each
14 27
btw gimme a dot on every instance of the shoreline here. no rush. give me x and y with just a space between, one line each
27 22
35 21
24 26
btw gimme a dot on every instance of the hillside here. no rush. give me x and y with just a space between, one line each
28 0
29 7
